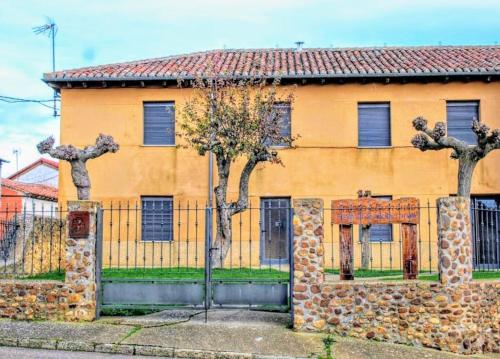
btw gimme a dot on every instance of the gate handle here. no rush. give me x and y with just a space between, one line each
213 248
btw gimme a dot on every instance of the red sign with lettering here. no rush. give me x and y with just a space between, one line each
366 211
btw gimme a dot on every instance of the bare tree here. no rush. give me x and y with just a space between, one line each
78 158
234 119
468 155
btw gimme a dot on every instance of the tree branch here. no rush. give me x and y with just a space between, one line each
435 139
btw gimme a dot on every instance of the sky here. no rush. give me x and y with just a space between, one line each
93 32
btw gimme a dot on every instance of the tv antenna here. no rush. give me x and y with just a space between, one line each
16 152
50 29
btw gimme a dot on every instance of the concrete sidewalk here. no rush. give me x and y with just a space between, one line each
184 334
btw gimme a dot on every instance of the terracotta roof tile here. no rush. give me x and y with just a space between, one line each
287 63
32 190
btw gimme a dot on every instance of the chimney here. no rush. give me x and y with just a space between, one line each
299 45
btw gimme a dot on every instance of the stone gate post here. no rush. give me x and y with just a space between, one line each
308 261
81 260
454 240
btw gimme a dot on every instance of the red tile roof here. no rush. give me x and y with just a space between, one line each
32 190
305 63
44 161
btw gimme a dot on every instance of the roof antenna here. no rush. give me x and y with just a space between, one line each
299 45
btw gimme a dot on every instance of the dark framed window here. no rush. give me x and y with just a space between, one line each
285 122
374 124
381 232
460 115
159 123
157 218
485 220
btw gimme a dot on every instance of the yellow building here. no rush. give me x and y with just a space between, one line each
353 110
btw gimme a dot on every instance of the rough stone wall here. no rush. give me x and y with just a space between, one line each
80 267
462 318
74 299
308 259
454 239
30 300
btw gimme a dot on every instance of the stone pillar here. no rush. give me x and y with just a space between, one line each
308 262
81 260
454 240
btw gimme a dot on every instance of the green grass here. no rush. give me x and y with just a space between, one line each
435 278
177 273
243 273
360 273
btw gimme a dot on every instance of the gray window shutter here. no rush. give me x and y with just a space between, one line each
374 125
460 115
157 219
381 232
159 123
284 121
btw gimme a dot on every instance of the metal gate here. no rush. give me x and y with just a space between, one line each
158 254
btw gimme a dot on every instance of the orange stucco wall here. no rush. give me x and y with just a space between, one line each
326 163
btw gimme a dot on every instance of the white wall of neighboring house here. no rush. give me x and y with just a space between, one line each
40 207
41 174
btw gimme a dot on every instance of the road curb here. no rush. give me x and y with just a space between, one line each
130 349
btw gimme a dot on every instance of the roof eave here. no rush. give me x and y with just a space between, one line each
56 83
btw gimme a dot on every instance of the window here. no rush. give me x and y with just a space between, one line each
157 219
460 115
159 123
284 121
374 125
485 220
381 232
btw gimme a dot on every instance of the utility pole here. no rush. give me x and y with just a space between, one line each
50 29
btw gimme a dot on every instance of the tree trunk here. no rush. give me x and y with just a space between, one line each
222 241
466 168
365 247
81 179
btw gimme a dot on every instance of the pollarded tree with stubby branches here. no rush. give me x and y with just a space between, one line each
234 119
468 155
78 158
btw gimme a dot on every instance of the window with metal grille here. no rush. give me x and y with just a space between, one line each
157 218
460 115
381 232
159 123
284 122
374 125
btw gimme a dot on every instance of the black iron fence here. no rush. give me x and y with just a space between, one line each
379 248
163 236
168 239
32 241
485 236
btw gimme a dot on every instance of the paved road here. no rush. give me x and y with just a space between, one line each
23 353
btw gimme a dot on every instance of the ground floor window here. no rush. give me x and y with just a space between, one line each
381 232
275 230
157 218
485 218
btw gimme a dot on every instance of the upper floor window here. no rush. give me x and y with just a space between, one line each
157 218
159 123
374 125
284 122
460 115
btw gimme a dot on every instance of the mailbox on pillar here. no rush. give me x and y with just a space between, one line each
368 211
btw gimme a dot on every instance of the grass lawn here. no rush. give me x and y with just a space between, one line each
475 275
243 273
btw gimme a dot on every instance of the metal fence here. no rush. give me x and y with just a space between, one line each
384 247
32 241
485 236
172 237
